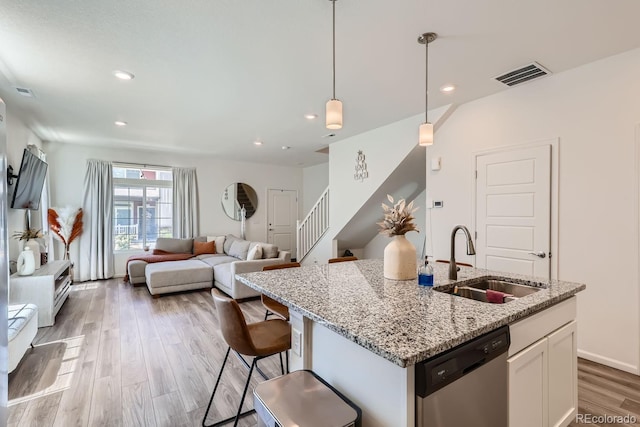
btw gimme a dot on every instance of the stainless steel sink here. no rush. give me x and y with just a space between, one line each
476 289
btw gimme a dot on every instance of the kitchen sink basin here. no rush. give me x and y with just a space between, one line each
476 289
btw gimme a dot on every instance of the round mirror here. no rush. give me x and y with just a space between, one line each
236 196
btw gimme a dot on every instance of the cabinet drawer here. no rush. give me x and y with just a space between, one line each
531 329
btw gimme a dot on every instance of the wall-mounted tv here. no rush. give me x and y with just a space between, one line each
28 189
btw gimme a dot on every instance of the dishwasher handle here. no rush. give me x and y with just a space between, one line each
433 374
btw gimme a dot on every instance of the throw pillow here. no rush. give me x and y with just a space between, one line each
269 251
228 241
201 248
178 246
255 253
239 249
219 243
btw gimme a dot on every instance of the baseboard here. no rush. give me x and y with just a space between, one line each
633 369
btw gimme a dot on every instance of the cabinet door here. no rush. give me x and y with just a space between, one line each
563 375
528 388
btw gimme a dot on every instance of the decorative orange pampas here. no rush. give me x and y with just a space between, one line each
66 224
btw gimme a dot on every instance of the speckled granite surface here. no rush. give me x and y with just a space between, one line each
399 320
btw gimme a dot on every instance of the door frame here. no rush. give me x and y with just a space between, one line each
266 224
555 190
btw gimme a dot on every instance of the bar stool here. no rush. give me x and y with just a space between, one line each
446 261
272 306
258 340
342 259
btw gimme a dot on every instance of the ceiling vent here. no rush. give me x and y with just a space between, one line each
25 92
523 74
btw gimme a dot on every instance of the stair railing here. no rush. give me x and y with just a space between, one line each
310 230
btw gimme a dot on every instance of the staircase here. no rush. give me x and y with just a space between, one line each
243 199
310 230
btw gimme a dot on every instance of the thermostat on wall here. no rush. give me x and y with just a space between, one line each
438 203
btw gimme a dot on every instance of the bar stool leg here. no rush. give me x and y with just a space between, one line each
215 388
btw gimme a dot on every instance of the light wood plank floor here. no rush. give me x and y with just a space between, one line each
118 357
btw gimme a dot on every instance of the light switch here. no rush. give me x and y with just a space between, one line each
296 342
436 163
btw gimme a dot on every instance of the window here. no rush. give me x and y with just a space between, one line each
142 206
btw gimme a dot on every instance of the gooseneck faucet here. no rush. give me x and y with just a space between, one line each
453 268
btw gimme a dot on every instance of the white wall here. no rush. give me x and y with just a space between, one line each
18 137
384 148
594 111
375 248
67 164
315 179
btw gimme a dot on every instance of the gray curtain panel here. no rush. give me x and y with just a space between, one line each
96 241
186 220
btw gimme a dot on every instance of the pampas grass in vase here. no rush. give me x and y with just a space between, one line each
66 224
400 262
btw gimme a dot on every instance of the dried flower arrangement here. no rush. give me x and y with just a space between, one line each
29 233
66 224
398 219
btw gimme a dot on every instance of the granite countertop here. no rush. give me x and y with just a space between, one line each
399 320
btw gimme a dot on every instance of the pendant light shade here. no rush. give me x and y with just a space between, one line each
334 106
426 134
426 129
334 114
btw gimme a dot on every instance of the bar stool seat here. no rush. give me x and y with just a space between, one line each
270 336
342 259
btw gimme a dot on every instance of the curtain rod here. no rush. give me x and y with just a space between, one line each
142 165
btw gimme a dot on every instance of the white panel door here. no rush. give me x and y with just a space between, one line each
513 211
281 219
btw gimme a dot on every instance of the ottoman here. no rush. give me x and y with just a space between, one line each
175 276
136 271
23 326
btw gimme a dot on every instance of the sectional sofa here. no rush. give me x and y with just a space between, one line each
203 270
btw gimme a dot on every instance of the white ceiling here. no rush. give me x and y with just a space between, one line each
213 76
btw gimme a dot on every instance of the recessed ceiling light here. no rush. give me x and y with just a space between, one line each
447 88
120 123
285 147
123 75
310 116
258 143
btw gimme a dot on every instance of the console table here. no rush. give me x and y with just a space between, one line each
48 288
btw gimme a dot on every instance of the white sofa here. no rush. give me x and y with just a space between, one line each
23 326
206 270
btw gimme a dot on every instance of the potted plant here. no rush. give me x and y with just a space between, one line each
400 261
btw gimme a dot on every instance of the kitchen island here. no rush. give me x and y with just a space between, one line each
364 334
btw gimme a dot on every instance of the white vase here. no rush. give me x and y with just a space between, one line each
35 248
26 262
400 259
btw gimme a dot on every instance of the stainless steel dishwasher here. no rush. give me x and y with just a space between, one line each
465 386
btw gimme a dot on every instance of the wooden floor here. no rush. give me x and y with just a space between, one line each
117 357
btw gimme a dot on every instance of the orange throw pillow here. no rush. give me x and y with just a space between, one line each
201 248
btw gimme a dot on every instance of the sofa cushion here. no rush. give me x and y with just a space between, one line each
269 251
255 252
213 260
176 246
228 241
239 249
175 273
200 248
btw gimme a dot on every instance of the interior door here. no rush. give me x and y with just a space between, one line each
281 219
513 211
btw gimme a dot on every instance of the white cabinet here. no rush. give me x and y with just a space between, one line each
528 386
543 378
47 288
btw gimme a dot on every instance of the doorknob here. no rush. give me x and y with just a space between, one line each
539 254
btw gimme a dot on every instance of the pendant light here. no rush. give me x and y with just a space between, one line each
334 106
426 129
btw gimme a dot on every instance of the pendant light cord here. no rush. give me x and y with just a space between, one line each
426 80
334 48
